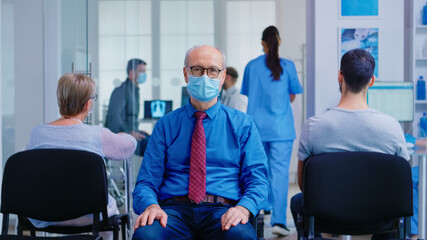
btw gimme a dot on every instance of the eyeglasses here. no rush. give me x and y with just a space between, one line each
95 97
199 71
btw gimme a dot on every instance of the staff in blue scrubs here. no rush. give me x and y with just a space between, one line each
271 82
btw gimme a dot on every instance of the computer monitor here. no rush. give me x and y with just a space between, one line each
393 98
157 108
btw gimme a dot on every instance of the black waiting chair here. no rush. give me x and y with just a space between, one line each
57 185
258 224
356 193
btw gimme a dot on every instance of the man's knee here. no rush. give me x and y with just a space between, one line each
296 203
241 231
149 232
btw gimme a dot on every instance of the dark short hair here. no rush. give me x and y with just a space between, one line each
232 72
357 67
133 64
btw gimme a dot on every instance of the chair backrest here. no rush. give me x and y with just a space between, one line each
54 184
357 188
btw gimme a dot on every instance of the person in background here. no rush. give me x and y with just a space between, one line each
76 94
271 82
352 125
204 173
231 97
123 109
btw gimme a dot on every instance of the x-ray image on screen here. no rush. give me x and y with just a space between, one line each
157 108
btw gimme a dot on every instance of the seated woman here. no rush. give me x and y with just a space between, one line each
76 94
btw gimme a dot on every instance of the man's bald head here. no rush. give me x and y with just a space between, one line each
207 50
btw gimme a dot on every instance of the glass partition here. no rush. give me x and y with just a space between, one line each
124 33
183 24
78 48
8 79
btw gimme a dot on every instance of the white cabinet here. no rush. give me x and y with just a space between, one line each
418 57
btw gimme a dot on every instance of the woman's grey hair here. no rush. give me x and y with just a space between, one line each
187 55
74 90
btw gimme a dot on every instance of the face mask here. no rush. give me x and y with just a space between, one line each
141 78
203 88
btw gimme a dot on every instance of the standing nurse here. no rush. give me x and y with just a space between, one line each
271 82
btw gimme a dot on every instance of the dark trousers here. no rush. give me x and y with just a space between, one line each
298 209
187 220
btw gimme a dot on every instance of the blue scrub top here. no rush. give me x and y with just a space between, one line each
269 102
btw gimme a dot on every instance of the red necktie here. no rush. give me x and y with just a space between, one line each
197 182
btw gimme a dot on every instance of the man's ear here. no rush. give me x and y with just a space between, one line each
372 81
184 70
223 75
340 77
131 74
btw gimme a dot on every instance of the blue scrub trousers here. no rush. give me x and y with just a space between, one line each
188 220
414 218
279 158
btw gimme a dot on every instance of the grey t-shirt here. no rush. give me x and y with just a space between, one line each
341 130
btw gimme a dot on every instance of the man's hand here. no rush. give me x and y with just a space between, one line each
234 216
146 133
139 136
150 214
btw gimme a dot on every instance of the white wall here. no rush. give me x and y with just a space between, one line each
322 45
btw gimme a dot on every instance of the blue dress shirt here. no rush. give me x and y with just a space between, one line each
269 102
235 159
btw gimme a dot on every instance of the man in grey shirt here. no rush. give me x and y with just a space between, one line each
231 96
351 126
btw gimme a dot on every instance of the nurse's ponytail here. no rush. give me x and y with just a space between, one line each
271 37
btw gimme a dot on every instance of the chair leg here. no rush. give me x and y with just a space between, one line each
19 230
311 227
260 227
116 234
407 227
299 226
401 228
5 226
124 231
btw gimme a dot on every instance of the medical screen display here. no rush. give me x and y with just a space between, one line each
393 98
157 108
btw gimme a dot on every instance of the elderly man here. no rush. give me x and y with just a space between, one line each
231 96
204 171
352 125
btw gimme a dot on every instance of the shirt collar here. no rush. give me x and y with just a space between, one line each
211 112
130 83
